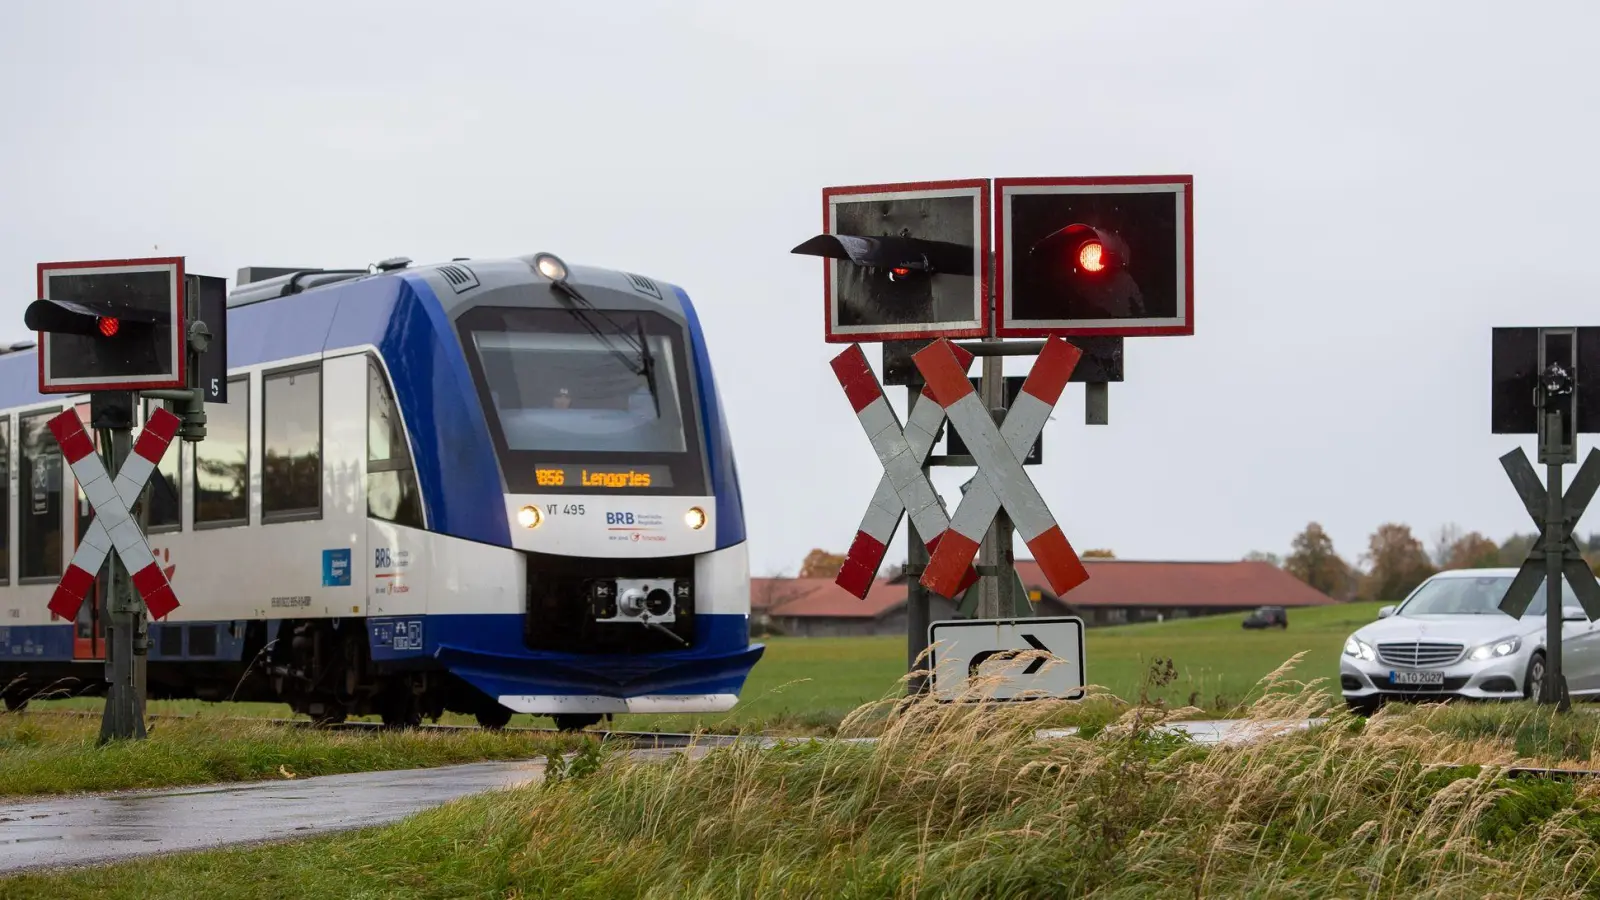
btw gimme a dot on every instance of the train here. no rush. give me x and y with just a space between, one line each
487 487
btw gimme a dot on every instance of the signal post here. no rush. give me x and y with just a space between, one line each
119 329
928 269
1546 382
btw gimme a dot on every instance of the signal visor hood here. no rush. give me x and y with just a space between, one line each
918 254
73 317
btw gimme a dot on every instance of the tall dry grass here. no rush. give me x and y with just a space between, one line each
968 801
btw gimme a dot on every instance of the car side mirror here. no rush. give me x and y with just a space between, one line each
1385 612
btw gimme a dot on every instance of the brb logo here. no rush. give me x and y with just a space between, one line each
619 518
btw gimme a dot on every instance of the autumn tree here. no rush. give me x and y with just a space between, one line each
1313 560
821 564
1472 551
1515 549
1444 543
1399 563
1271 559
1589 549
1098 554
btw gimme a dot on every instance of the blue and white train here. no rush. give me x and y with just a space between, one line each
487 487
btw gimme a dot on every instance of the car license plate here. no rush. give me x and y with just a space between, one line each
1430 678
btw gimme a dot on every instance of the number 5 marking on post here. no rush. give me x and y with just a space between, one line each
113 526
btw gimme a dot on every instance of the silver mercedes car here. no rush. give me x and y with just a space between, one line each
1450 639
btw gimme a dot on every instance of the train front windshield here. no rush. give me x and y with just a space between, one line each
573 411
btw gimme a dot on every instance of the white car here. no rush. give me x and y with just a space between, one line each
1450 639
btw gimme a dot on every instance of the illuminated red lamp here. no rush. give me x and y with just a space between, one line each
1091 256
108 326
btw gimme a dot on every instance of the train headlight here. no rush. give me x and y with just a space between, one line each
529 517
550 266
695 518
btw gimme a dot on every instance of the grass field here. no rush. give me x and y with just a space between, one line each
52 754
807 685
968 803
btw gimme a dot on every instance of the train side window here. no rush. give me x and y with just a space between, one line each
39 513
392 493
291 445
5 499
222 461
164 494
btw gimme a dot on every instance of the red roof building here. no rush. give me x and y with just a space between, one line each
1117 592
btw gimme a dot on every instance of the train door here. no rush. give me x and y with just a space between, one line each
87 642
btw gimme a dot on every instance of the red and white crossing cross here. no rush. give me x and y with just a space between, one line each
904 487
999 452
114 526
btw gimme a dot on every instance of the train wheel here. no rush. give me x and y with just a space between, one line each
16 702
494 717
574 722
399 707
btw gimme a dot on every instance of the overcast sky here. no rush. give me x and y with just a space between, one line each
1377 185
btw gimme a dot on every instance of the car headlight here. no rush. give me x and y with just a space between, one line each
1502 647
1359 649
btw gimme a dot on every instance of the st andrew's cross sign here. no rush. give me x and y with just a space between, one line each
114 527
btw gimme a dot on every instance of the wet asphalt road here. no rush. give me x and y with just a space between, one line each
109 827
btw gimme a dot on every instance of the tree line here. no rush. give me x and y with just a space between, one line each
1396 561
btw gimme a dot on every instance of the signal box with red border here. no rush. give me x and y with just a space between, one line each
1084 256
904 261
110 325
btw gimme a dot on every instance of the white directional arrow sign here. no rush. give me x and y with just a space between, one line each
114 526
1008 659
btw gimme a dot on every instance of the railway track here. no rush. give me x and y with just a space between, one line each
640 739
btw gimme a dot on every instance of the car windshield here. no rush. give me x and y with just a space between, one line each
1470 597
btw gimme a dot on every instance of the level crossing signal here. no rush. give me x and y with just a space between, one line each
904 261
1099 255
1544 383
915 265
110 325
118 329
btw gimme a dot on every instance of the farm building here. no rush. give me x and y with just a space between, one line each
1117 592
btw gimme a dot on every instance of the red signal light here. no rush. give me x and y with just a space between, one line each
900 271
109 326
1091 257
